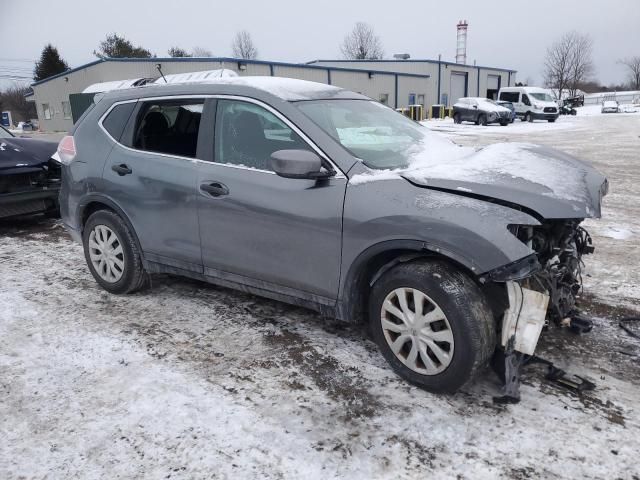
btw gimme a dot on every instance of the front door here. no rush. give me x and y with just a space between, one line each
261 229
152 177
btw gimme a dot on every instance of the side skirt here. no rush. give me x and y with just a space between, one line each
325 306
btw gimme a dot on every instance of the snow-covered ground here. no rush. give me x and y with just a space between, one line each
188 380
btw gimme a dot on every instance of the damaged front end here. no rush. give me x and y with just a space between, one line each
559 246
29 190
541 288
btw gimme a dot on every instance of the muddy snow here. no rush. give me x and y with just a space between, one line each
187 380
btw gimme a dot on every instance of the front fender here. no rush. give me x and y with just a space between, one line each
393 215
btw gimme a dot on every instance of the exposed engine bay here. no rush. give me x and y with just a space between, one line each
559 245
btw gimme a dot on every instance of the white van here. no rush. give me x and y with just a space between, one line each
530 103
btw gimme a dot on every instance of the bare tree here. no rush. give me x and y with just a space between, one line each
243 47
13 98
633 66
569 63
362 43
581 62
201 52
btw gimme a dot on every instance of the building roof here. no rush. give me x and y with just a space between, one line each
240 61
415 60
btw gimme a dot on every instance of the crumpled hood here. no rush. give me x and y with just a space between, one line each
24 155
548 182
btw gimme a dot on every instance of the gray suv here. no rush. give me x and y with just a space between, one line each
320 197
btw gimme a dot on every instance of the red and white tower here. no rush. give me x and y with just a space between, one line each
461 45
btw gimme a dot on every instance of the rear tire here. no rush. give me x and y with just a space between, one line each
504 123
454 339
551 120
112 253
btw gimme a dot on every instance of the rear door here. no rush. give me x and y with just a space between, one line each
260 229
150 174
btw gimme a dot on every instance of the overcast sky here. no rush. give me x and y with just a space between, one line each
509 34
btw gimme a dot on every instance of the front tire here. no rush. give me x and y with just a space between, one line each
456 118
112 253
432 324
482 120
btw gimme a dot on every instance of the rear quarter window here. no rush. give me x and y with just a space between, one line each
117 119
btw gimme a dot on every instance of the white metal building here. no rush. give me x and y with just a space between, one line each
449 81
395 83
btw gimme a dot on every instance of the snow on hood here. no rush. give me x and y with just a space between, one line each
519 173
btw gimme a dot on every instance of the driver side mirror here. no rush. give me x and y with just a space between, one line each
298 164
475 106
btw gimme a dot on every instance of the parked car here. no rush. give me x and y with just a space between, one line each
29 178
567 109
531 103
323 198
511 108
480 111
609 106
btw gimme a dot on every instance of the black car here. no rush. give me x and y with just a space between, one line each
480 111
29 177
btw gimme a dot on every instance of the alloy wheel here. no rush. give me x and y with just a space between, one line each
417 331
106 254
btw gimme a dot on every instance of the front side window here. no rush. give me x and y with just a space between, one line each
247 134
371 132
46 110
525 99
169 127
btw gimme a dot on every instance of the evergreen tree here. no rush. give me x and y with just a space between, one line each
178 52
51 63
115 46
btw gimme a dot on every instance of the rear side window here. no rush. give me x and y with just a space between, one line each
117 119
509 96
169 127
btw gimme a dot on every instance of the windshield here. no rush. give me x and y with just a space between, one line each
543 97
4 133
372 132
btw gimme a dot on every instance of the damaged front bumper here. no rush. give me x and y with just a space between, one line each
524 318
30 192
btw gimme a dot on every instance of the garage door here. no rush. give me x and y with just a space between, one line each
458 86
493 85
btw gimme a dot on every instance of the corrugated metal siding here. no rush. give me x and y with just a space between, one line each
360 82
301 73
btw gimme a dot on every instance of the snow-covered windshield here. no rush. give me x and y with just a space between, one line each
379 136
543 97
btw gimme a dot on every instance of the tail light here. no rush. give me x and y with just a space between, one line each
66 150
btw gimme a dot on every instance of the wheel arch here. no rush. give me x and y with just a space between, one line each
373 262
94 203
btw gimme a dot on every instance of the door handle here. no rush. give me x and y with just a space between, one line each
121 169
215 189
